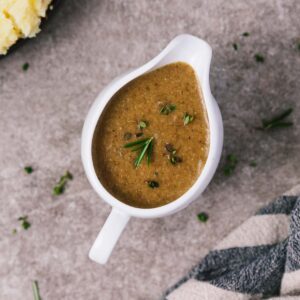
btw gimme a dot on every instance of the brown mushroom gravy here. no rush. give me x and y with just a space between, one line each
165 109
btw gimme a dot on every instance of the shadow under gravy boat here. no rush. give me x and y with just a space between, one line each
183 48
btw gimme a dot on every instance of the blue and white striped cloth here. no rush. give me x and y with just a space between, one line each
258 260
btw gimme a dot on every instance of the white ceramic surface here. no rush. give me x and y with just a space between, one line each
185 48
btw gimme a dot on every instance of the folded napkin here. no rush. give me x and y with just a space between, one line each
258 260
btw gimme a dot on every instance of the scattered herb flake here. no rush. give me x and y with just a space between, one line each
139 134
187 118
277 121
169 147
14 231
127 136
25 66
173 158
246 34
298 46
202 217
59 188
24 222
167 109
28 169
259 58
135 143
152 184
145 146
253 163
142 124
36 291
231 162
235 46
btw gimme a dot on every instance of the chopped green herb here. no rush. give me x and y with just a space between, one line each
14 231
202 217
139 134
152 184
231 162
24 222
127 136
235 46
25 66
187 118
28 169
145 146
169 147
277 121
259 58
167 109
142 125
36 291
246 34
59 188
253 163
298 46
173 158
156 173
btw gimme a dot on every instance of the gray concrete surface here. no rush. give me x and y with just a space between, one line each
84 46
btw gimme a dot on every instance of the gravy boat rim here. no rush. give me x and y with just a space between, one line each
214 120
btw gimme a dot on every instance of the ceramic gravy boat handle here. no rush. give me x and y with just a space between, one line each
108 236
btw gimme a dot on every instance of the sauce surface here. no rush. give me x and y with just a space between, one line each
144 99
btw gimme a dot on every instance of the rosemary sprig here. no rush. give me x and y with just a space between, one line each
277 121
138 142
145 146
35 289
149 153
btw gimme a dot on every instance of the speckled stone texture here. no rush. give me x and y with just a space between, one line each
84 46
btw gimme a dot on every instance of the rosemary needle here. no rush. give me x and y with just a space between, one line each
145 146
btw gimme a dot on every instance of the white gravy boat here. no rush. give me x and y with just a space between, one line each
185 48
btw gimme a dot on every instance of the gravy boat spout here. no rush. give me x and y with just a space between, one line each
183 48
